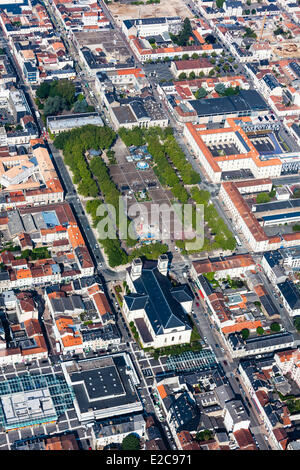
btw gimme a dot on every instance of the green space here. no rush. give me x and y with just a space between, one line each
176 349
145 198
183 38
296 194
293 406
54 97
205 435
36 253
10 247
245 333
222 90
260 331
249 33
167 154
275 327
131 442
264 197
297 323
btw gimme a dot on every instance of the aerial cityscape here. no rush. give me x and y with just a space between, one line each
149 226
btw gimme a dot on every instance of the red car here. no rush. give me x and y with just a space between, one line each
197 303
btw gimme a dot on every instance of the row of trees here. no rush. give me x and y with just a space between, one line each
223 237
177 156
74 144
94 178
274 327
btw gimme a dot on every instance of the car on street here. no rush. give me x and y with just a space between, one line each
225 363
197 303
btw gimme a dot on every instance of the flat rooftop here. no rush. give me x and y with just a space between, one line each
73 120
33 406
104 384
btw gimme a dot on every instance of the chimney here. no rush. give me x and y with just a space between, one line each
136 268
162 264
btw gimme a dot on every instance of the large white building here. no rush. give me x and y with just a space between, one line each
147 27
204 143
103 386
157 309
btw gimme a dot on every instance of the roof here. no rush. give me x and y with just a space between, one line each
246 100
155 292
291 294
224 264
244 439
193 64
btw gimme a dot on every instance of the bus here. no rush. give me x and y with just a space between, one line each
238 241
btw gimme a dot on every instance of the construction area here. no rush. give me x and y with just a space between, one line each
123 11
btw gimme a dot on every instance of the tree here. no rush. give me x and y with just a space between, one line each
220 88
43 90
296 194
182 76
275 327
260 330
220 3
195 56
80 106
65 89
245 333
192 75
249 33
262 198
210 39
230 91
53 105
131 442
205 435
297 323
200 93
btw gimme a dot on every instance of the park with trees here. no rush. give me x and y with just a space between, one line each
168 157
56 96
94 181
